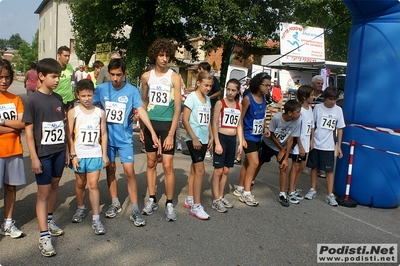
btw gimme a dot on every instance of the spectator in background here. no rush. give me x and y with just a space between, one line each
79 74
97 65
64 88
31 78
103 74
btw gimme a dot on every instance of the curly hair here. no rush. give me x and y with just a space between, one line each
161 45
256 81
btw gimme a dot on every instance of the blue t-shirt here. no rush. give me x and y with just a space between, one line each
253 121
118 105
200 116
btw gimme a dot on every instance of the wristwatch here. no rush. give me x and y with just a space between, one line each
72 156
2 121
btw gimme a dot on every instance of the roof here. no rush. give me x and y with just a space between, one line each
42 6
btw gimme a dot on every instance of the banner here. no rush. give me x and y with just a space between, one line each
103 51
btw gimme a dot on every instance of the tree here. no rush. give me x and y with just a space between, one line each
15 41
3 44
27 54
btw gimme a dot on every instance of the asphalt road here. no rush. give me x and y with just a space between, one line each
265 235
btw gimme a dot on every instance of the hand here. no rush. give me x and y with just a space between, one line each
197 144
284 165
75 163
218 149
281 154
244 144
168 143
106 161
302 152
141 136
36 166
267 132
339 152
156 140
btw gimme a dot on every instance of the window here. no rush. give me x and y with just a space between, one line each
72 45
43 46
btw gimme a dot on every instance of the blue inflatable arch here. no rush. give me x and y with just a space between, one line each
372 101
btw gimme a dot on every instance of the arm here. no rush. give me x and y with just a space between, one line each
339 147
285 163
13 125
185 121
169 140
104 139
245 107
240 134
146 121
302 152
30 141
26 78
214 126
102 75
70 140
312 139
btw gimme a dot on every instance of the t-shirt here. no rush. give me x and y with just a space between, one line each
31 79
326 121
46 113
161 94
10 106
64 88
215 88
200 116
87 133
253 120
307 124
282 130
118 105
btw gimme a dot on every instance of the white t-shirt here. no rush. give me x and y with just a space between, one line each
326 121
307 124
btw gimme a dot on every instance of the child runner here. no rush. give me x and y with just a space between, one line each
12 171
196 119
305 142
118 99
328 117
87 142
284 127
161 96
253 117
44 118
225 126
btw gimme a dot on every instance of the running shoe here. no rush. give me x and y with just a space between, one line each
237 192
54 230
188 203
199 213
249 200
311 194
218 205
149 207
170 214
137 219
46 247
330 199
298 195
226 203
292 198
113 210
98 228
79 215
11 230
284 201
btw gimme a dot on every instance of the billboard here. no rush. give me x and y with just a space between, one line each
302 44
103 51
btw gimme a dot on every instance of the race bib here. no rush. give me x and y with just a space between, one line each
231 117
203 116
159 94
308 127
8 111
89 134
258 126
115 112
282 134
53 133
328 121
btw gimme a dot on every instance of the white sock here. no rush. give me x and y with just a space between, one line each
245 193
7 221
240 187
96 217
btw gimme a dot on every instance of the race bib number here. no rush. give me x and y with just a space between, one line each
203 116
258 126
89 134
281 134
8 111
115 112
53 133
308 127
231 117
328 122
159 94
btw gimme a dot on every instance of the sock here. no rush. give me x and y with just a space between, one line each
168 201
154 198
7 221
190 198
81 207
196 205
135 208
115 201
245 193
282 194
49 217
44 234
95 217
240 188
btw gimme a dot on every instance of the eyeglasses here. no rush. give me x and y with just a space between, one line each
267 85
5 77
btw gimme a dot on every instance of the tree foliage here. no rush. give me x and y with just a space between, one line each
27 53
245 24
15 41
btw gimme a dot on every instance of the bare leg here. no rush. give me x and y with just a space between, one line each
94 194
112 180
10 195
168 167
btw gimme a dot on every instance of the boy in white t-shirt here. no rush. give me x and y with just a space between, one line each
328 117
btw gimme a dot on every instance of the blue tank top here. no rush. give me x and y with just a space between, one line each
253 122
